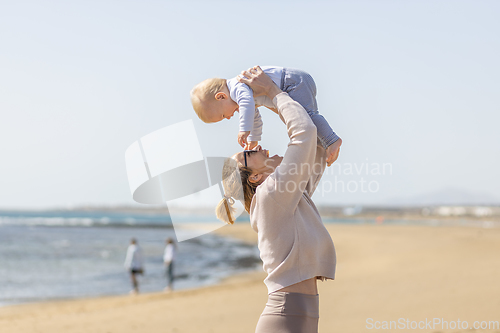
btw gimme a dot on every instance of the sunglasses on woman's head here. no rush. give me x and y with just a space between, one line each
245 152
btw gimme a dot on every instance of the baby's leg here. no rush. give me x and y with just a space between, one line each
325 133
330 141
300 86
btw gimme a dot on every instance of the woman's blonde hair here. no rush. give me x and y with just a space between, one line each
237 185
203 93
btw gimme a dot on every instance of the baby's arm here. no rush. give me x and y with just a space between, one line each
256 133
250 139
250 121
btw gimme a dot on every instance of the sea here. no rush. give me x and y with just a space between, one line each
53 255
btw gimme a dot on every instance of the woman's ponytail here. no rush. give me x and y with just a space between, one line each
231 184
236 184
225 210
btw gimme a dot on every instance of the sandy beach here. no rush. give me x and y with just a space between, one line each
386 275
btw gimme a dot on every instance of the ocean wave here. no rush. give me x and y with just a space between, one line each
58 221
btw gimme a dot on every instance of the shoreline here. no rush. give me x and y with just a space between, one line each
384 272
104 275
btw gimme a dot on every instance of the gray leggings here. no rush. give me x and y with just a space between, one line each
289 313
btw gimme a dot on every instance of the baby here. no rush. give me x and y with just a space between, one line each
216 99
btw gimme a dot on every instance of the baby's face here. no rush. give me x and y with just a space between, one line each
222 110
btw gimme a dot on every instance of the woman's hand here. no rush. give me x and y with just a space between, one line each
260 83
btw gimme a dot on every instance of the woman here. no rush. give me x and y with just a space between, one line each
294 245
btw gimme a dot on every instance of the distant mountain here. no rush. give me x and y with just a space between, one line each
446 196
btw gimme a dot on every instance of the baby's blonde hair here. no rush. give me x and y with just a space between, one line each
203 93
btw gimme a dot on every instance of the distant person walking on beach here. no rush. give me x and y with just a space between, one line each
134 264
295 247
168 260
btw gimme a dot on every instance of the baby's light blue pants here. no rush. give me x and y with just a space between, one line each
300 87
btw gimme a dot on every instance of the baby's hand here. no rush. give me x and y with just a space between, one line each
251 145
242 138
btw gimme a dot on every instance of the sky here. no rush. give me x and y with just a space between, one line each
411 87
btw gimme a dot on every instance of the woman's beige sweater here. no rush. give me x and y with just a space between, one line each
293 242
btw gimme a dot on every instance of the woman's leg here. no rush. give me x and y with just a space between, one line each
289 313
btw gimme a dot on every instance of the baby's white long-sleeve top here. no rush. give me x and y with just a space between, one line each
242 94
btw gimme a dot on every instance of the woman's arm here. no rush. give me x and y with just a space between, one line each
292 176
318 169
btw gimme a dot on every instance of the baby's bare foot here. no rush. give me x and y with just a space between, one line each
332 152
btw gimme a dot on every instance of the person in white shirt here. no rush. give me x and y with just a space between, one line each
168 260
134 263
